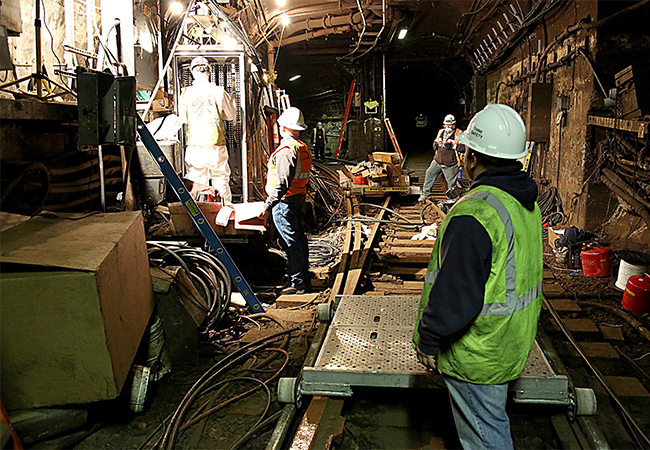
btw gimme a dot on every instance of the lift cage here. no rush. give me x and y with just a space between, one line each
230 69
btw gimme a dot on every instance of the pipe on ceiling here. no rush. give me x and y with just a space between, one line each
315 34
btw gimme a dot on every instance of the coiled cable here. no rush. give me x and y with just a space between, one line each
207 273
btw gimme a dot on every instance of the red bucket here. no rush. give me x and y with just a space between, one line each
636 297
359 179
596 260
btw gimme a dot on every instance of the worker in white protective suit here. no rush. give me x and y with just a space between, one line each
204 106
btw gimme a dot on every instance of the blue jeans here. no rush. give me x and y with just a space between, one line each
480 414
432 173
289 219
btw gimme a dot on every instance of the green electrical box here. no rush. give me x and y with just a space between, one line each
106 108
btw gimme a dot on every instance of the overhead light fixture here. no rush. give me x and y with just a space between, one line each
402 33
176 7
294 78
284 20
281 2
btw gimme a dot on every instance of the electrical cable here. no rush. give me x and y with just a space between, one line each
206 272
38 69
171 432
360 218
387 210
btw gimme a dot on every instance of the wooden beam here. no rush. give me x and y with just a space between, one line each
355 271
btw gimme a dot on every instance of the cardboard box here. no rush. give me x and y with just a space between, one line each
181 224
553 235
394 170
402 180
76 300
385 157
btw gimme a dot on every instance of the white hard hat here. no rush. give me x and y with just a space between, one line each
199 61
497 130
292 119
449 120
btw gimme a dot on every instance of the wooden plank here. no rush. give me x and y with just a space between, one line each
641 128
345 254
407 285
392 259
404 234
396 250
397 270
409 243
355 272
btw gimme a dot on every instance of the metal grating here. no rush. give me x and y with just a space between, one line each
369 349
368 310
537 364
370 344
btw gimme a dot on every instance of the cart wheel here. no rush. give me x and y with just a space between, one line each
324 312
289 390
585 401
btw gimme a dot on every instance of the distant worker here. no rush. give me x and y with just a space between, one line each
478 329
319 140
286 185
204 106
446 157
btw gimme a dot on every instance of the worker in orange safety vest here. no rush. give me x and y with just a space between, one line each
446 159
286 186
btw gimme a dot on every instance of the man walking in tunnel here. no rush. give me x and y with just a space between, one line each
446 157
483 288
286 185
319 139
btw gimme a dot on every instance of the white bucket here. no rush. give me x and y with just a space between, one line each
627 270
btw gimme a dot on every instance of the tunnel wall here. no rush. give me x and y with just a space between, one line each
567 157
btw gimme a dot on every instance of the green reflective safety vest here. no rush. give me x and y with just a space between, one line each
495 348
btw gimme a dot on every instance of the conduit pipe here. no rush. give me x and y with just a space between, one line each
383 25
623 185
639 326
327 21
363 31
315 34
638 206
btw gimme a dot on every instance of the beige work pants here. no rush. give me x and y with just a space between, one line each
205 164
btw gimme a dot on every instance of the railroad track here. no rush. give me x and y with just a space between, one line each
386 261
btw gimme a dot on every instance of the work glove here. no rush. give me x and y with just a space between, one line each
429 361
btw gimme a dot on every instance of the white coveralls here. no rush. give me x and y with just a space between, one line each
204 107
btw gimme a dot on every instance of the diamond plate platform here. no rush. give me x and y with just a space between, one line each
369 344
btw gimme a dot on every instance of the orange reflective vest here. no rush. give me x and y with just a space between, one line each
451 140
303 166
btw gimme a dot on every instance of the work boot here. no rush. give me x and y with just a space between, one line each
292 290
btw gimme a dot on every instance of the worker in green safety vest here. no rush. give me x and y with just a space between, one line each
483 288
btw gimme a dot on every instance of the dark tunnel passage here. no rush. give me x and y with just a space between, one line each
418 97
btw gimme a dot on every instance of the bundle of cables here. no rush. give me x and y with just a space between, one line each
550 205
207 273
201 399
325 191
323 252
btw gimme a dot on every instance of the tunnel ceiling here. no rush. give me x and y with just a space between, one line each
324 41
